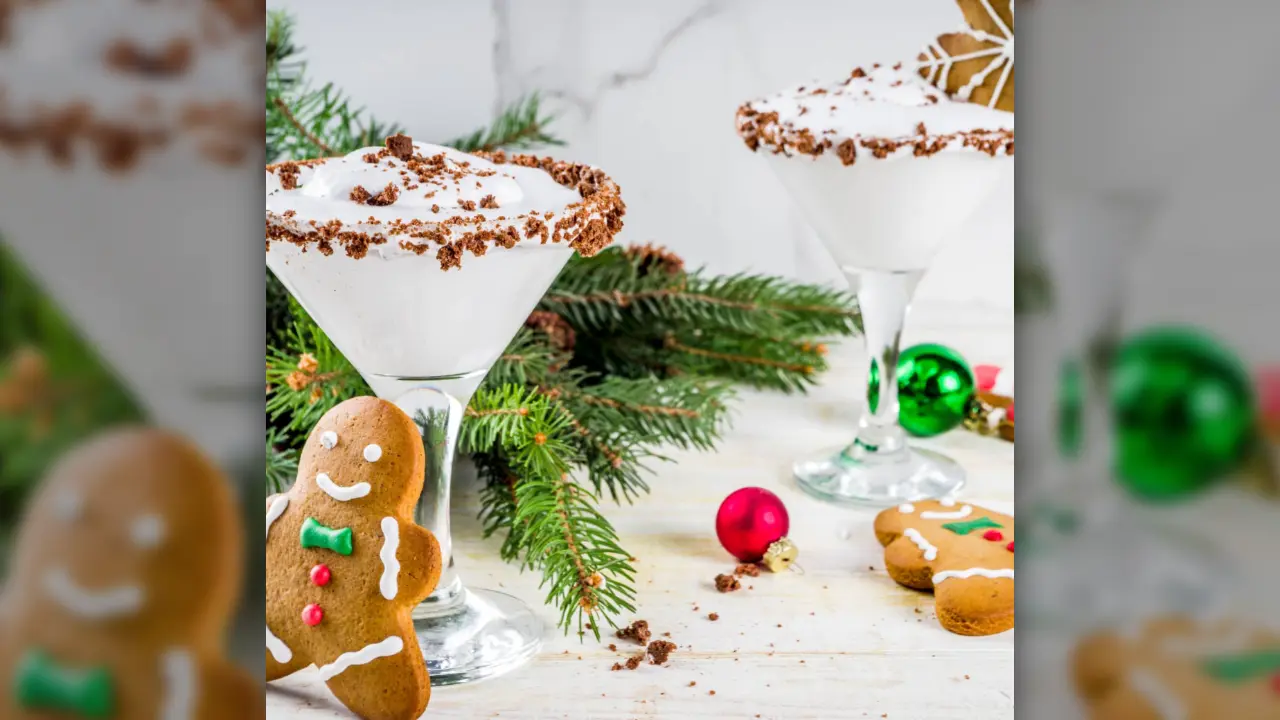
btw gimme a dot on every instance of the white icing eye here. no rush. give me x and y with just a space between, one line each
148 531
69 506
372 453
329 439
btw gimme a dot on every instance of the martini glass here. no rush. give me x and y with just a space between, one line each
424 339
1114 131
883 221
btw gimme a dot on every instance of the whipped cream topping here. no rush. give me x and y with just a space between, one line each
883 112
411 198
445 185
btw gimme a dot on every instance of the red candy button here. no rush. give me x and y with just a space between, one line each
1010 546
993 535
320 575
1275 683
312 615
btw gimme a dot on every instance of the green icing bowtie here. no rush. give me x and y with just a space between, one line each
315 535
41 684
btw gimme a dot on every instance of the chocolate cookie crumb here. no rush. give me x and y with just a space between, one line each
750 569
634 661
727 583
401 146
616 667
389 195
489 202
660 650
359 195
468 205
713 617
692 683
638 631
613 647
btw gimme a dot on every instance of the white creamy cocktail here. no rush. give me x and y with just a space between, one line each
421 263
884 166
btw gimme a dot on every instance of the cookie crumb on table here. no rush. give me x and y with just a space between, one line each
747 569
638 631
727 583
660 650
634 661
713 617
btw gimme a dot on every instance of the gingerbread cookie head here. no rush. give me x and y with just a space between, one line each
1177 667
125 576
134 535
963 553
346 564
975 64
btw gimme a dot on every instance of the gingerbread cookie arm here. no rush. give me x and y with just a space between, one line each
277 670
384 680
909 564
417 579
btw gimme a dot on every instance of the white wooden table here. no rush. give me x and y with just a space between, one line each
841 640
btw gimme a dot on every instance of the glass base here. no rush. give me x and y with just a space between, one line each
913 474
1114 573
483 634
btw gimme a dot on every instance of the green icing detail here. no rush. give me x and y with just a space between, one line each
1241 668
968 526
315 535
41 685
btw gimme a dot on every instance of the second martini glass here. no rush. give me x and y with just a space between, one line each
424 338
903 169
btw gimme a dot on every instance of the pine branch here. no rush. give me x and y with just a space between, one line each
527 442
306 377
619 289
521 125
282 462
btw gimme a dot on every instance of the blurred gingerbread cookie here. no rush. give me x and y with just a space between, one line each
1176 667
125 575
963 553
346 564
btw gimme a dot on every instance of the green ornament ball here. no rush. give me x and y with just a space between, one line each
1183 412
935 387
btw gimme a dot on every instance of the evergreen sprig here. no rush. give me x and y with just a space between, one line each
628 354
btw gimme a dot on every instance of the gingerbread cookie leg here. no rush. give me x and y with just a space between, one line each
400 676
970 603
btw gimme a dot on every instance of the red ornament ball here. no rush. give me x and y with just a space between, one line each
312 615
749 520
320 575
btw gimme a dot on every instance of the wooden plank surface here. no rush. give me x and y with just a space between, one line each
841 640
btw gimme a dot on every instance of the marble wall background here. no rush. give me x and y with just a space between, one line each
647 90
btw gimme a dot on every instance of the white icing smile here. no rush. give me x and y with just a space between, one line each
105 604
340 493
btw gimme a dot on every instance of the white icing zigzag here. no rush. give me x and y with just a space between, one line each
390 582
972 572
940 63
391 646
930 551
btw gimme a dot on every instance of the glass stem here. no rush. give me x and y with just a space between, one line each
438 413
884 297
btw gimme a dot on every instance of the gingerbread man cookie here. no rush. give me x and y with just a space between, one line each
124 580
963 553
346 564
1178 668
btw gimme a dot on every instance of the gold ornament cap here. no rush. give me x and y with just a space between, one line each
781 553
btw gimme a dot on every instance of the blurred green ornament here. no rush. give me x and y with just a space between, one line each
1070 409
935 387
1183 412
